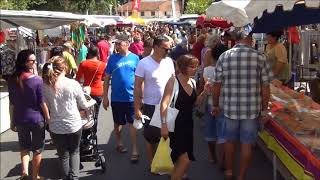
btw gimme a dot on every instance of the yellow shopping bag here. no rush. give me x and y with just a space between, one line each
162 162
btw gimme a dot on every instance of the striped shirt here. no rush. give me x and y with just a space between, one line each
242 71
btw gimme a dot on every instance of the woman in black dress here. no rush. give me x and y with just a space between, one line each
181 140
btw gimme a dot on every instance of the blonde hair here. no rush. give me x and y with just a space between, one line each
53 69
212 41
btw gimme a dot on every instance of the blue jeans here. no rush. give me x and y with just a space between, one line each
243 130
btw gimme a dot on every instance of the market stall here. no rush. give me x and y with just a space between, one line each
35 20
215 22
291 139
293 134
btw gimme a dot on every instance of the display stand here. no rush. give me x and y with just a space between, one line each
277 165
5 115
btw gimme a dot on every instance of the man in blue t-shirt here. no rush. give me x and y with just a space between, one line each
121 67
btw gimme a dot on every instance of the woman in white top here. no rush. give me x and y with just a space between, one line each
63 97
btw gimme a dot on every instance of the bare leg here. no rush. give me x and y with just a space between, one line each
133 134
36 165
150 152
220 155
180 167
245 159
229 156
117 130
25 158
212 151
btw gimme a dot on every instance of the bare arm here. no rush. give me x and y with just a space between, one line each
203 95
166 98
265 94
45 111
106 84
216 94
215 98
138 96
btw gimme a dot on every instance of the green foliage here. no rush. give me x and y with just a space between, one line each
20 4
75 6
197 6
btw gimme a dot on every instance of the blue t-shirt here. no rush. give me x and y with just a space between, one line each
122 69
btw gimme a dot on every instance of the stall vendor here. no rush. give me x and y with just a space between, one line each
277 56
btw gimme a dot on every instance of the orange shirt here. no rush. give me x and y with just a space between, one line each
87 69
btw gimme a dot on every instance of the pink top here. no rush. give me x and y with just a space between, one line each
103 47
136 48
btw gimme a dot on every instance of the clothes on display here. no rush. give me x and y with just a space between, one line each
7 60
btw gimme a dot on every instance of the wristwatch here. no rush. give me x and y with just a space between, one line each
163 121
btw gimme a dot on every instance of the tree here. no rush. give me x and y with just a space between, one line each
75 6
197 6
20 4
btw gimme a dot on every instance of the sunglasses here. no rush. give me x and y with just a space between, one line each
166 49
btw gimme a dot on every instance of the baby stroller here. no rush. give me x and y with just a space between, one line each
89 151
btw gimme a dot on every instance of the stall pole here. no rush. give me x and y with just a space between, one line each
290 54
17 40
274 164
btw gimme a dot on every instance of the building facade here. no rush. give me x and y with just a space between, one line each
152 9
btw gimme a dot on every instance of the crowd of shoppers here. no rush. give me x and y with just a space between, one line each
231 83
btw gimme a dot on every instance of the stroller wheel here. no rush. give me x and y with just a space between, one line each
81 166
103 163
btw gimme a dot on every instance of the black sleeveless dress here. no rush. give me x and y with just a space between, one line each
181 140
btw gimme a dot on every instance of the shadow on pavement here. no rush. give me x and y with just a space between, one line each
9 146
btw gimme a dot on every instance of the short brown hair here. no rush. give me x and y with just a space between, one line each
184 61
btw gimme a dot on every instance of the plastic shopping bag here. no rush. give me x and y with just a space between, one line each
162 162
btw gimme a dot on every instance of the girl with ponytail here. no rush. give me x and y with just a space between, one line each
28 112
63 97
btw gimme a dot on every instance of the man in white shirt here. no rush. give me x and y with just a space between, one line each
151 76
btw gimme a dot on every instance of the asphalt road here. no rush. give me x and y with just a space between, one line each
118 165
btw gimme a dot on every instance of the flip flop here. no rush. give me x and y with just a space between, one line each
24 177
121 149
134 158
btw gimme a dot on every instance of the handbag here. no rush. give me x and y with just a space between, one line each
87 89
172 112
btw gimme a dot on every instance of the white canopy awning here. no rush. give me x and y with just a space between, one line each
99 21
230 10
37 20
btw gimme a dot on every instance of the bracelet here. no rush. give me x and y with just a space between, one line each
163 121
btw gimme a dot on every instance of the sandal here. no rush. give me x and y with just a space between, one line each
121 149
134 158
24 177
39 178
228 175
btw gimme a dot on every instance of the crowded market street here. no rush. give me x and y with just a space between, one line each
118 165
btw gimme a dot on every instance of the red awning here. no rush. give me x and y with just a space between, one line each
202 22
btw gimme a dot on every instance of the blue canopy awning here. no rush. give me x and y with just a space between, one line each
280 19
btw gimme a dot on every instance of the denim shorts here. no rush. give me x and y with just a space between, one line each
31 137
214 128
123 112
243 130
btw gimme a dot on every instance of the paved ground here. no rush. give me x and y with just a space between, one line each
119 166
